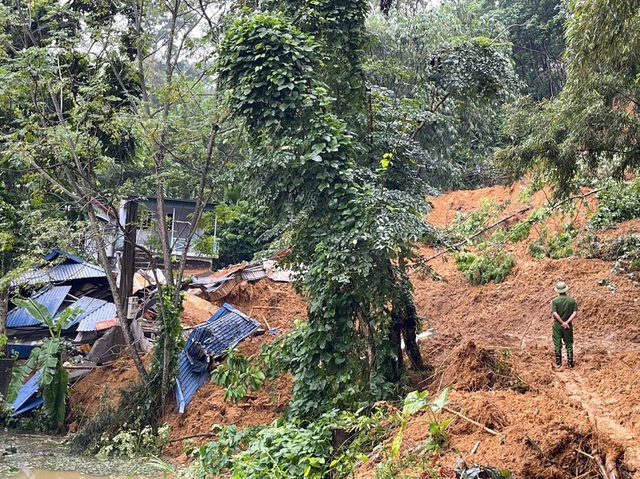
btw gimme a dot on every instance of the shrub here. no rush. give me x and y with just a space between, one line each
618 202
554 246
132 443
238 376
492 265
466 225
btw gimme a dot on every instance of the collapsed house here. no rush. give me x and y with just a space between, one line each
62 281
65 280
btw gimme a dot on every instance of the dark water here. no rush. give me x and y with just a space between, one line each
46 457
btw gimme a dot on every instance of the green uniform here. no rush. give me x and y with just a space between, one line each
565 306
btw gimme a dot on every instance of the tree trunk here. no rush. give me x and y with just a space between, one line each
4 310
407 316
395 336
104 262
367 330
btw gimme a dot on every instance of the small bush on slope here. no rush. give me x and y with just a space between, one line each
618 202
492 265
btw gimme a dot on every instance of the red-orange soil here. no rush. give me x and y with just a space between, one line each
492 346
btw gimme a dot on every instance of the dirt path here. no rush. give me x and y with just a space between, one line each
600 416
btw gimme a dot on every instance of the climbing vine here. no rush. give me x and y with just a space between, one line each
345 230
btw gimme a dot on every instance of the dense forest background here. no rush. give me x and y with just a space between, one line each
317 127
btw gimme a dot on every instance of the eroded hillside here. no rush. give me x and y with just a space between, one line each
491 344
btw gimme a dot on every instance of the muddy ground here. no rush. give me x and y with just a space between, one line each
492 346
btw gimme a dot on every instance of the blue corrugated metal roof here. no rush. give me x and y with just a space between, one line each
59 252
224 330
61 273
26 400
31 403
87 322
86 306
50 296
71 268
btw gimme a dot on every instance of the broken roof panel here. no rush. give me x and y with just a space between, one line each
51 297
88 321
71 268
28 397
253 272
86 306
224 330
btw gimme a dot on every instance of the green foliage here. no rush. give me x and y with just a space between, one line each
216 457
592 128
132 443
617 202
283 450
464 226
47 361
536 31
624 251
443 83
415 402
238 376
296 448
241 236
554 246
518 232
491 265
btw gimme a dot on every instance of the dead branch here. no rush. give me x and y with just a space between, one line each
205 434
462 416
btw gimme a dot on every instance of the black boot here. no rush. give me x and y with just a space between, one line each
570 358
559 358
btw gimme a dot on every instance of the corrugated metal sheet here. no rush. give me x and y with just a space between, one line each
87 322
220 291
71 268
32 403
224 330
70 271
26 400
253 272
50 296
86 306
59 252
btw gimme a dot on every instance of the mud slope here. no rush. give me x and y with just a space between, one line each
492 346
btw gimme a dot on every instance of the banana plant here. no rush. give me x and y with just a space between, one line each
47 361
415 402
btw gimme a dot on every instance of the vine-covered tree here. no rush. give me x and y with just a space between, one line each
329 165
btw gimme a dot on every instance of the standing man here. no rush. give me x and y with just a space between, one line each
563 311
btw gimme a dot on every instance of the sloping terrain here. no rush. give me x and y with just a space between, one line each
492 346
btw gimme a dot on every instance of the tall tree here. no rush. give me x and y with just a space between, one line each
535 29
322 164
592 127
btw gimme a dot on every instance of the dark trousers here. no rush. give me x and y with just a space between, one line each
560 334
